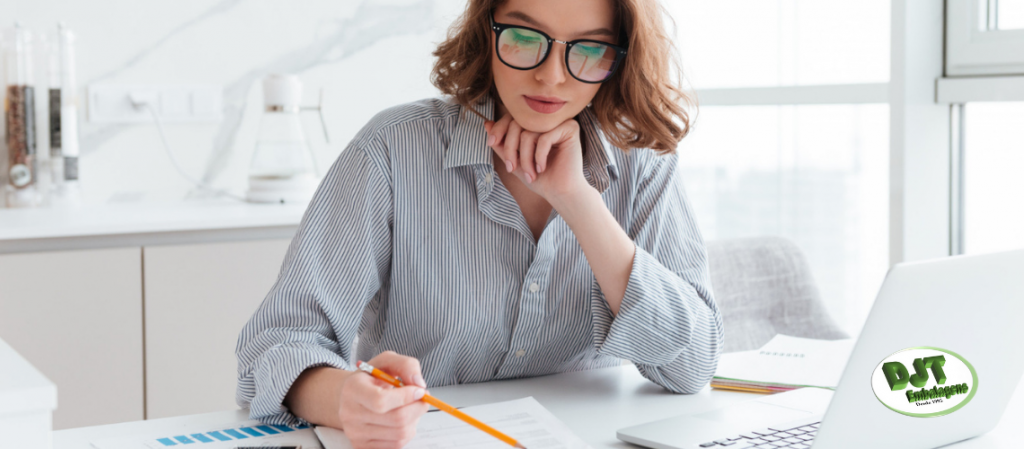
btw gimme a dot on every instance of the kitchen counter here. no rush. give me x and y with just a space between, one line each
144 224
108 299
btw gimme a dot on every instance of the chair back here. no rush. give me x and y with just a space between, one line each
763 286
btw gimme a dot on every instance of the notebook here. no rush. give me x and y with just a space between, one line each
784 363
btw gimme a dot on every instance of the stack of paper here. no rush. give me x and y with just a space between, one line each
524 419
784 363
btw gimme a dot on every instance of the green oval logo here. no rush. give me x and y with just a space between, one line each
924 382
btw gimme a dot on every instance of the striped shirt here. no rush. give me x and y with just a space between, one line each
413 244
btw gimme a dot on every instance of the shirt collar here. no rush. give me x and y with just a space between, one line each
468 144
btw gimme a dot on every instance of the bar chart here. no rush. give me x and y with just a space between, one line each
241 433
229 435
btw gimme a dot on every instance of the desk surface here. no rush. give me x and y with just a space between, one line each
592 403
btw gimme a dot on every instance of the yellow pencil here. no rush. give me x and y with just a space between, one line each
745 389
366 367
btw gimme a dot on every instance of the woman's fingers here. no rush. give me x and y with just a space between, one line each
497 138
511 147
367 394
498 130
540 154
551 140
376 414
492 141
403 416
404 367
527 145
380 437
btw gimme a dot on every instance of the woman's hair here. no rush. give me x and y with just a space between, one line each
636 107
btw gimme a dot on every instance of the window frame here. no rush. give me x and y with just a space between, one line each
971 49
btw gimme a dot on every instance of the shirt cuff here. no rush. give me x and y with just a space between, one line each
655 320
275 372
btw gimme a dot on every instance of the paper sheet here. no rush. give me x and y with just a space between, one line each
225 436
523 419
789 361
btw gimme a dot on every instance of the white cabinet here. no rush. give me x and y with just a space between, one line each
76 316
197 298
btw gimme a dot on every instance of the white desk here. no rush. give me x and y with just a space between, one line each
592 403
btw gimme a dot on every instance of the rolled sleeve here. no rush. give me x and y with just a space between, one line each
336 266
668 324
274 374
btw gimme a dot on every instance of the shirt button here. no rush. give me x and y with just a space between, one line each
489 177
520 353
534 287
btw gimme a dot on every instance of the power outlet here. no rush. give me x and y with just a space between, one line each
174 103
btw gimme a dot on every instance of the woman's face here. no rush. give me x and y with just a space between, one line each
542 98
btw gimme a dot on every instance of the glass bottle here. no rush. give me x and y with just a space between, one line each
63 126
19 142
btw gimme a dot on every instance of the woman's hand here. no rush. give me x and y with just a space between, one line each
550 164
376 415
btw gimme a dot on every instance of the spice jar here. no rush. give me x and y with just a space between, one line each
63 118
19 142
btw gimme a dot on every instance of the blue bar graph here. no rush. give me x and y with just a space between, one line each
268 430
251 431
219 436
236 434
202 438
240 433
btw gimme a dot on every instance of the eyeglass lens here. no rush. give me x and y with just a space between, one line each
524 49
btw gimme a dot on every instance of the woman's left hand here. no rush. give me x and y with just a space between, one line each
550 163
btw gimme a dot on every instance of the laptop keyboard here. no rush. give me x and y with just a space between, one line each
799 437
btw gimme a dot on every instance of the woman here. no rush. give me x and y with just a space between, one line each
525 225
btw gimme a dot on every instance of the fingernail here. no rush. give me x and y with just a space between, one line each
418 380
529 178
508 166
419 393
540 169
490 140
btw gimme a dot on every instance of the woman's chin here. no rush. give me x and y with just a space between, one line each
536 122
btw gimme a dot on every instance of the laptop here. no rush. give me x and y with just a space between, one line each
936 363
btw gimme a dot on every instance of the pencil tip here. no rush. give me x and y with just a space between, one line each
520 446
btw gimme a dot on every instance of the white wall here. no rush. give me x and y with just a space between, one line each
367 54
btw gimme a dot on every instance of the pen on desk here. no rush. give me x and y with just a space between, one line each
366 367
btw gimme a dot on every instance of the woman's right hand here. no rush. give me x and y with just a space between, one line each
376 415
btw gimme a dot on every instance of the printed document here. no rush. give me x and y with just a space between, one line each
523 419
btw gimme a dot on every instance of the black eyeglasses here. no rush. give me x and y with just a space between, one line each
525 48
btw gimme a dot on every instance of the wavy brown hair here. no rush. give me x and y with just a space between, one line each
643 105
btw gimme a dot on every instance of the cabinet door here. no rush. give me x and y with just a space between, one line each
198 297
77 317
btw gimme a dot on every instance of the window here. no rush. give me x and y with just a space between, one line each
792 135
1009 14
984 37
993 188
754 43
815 174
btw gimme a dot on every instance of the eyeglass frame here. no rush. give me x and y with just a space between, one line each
498 28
